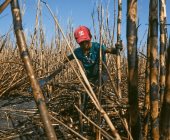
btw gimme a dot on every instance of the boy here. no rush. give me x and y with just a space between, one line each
88 53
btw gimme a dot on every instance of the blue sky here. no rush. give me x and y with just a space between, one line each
79 11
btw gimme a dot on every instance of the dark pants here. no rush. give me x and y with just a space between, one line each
85 98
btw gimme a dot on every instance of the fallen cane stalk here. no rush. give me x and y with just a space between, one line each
61 123
124 123
104 132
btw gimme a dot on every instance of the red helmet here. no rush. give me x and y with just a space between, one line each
82 33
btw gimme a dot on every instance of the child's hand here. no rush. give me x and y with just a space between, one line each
119 45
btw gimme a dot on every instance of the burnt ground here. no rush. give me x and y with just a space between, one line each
20 118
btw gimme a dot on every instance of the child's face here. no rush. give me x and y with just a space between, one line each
85 45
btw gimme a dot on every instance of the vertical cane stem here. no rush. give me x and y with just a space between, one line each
38 96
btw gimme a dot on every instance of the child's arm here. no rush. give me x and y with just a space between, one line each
114 50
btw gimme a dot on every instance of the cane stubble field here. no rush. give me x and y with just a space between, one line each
129 105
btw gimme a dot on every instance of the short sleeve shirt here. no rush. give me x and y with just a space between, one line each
91 61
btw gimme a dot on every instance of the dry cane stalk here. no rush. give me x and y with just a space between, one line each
154 99
4 5
165 110
134 116
35 30
100 19
38 96
147 93
162 13
118 58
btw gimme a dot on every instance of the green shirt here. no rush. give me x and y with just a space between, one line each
91 62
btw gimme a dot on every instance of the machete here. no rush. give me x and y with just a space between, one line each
43 81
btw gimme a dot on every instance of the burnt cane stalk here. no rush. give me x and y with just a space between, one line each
4 5
154 104
134 117
147 93
162 47
37 93
118 58
165 110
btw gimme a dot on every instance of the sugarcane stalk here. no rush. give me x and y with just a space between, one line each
37 93
5 40
41 43
165 110
35 30
100 18
153 30
94 26
4 5
162 17
114 23
134 117
118 58
147 93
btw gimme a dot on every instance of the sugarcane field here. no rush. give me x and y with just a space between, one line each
84 70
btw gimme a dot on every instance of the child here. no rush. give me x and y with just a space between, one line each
88 53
